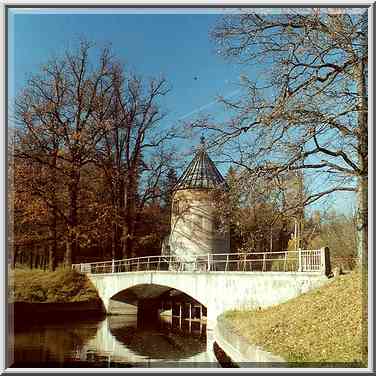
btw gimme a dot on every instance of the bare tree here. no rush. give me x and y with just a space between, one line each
133 153
309 110
60 115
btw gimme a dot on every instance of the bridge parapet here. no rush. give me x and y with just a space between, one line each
288 261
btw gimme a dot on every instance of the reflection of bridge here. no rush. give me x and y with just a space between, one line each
219 282
118 340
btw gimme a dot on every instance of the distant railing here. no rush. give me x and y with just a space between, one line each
288 261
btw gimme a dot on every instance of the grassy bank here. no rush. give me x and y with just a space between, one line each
324 325
61 286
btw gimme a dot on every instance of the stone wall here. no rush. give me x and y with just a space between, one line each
241 352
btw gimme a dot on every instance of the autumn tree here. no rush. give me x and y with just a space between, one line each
37 228
262 213
336 231
60 116
308 109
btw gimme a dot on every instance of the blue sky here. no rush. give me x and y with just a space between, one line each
174 45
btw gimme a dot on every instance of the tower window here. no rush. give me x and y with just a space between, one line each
177 208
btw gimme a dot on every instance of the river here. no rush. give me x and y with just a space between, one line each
114 341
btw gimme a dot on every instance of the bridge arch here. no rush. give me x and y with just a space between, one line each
152 299
130 287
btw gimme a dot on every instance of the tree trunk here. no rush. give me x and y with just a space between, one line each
70 248
71 244
128 231
117 246
36 260
362 222
68 253
52 249
14 256
116 249
43 258
31 254
362 199
113 242
51 257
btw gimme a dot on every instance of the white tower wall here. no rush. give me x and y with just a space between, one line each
194 225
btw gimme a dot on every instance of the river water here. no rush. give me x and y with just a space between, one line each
115 341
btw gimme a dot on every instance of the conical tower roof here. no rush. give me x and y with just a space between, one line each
201 172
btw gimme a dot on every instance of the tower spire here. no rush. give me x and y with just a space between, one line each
202 142
201 172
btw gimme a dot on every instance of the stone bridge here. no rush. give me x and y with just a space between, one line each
239 285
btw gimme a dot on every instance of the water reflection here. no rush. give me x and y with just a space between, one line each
51 344
116 341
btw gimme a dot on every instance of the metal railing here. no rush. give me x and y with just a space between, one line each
288 261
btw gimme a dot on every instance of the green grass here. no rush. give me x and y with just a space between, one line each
33 285
326 325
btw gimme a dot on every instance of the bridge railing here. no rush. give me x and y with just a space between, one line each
287 261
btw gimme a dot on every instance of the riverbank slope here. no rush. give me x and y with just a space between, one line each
326 325
34 292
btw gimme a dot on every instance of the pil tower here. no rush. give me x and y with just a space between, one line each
195 229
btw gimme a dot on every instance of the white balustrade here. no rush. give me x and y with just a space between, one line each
286 261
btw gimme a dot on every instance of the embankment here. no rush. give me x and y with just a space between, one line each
326 327
36 294
239 350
